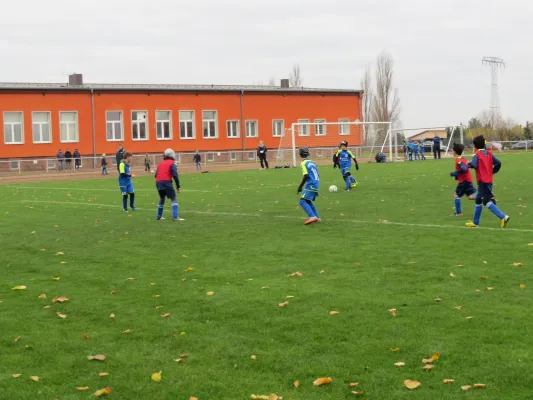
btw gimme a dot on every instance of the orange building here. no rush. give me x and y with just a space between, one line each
38 119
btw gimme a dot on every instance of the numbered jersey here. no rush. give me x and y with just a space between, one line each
345 158
313 182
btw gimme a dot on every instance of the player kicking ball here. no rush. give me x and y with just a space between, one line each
166 171
343 159
311 180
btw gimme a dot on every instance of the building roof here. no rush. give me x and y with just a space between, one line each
167 88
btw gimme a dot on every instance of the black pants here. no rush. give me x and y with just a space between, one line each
147 167
435 152
77 163
264 161
69 164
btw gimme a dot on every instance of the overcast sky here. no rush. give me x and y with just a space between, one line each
437 46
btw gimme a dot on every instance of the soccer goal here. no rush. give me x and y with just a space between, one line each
449 134
323 138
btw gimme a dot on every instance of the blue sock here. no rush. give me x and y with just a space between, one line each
132 200
352 179
175 210
125 202
348 183
495 210
477 213
307 208
160 209
458 206
313 208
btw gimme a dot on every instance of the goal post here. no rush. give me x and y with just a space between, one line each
449 134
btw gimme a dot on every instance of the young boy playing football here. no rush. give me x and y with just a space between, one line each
311 180
343 160
464 177
166 171
125 183
486 165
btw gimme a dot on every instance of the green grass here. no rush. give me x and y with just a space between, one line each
243 236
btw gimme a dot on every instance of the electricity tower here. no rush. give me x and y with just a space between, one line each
494 63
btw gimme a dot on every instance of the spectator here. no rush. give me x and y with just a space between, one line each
68 158
198 160
147 163
61 159
436 146
104 165
262 154
120 156
77 159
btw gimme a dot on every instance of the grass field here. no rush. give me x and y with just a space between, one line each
243 236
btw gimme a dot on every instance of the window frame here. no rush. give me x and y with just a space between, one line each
114 122
209 120
51 161
146 126
344 121
252 155
233 156
208 155
158 121
193 123
282 128
76 127
40 127
11 165
320 122
307 123
12 125
238 130
251 121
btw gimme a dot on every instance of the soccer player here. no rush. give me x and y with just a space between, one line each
464 177
104 165
311 180
166 171
416 147
410 147
343 159
422 150
125 183
486 165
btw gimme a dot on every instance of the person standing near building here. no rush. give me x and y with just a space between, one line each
197 159
147 164
77 159
436 147
104 165
60 159
262 154
119 156
68 158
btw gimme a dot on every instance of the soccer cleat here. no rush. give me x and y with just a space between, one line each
125 209
456 215
354 185
470 224
347 190
134 208
311 220
505 221
178 219
160 218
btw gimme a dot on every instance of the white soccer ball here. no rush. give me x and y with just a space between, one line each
333 189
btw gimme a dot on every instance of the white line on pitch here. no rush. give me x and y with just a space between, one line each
292 217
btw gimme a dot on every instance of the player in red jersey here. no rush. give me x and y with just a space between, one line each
464 177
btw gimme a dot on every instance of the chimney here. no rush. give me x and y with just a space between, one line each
285 84
75 80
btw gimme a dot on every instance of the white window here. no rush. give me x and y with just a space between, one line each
51 164
163 124
320 127
13 128
251 155
210 156
68 126
114 126
233 156
320 153
251 129
277 127
41 127
209 122
139 122
15 165
233 129
303 130
344 127
187 130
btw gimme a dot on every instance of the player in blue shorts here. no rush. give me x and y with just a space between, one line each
125 183
343 159
311 180
464 177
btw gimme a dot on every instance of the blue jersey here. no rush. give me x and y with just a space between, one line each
124 177
313 182
345 158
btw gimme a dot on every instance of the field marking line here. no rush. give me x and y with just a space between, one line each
406 224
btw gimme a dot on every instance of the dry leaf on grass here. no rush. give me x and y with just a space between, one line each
322 381
153 284
102 374
428 367
297 273
253 357
522 286
393 312
42 296
34 378
283 304
449 380
459 307
273 396
82 389
396 349
210 293
189 269
85 336
166 315
469 317
518 264
156 376
333 313
296 384
353 384
130 279
113 292
16 375
193 398
411 385
289 297
111 316
156 296
399 364
480 385
127 331
62 316
19 288
466 387
56 278
435 356
357 393
60 253
17 339
185 356
60 299
452 274
103 391
98 357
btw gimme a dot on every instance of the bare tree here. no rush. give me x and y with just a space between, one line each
272 82
295 77
366 87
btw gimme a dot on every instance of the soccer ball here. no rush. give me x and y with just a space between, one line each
333 189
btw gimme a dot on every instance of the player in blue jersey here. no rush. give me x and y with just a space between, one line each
125 183
311 180
343 159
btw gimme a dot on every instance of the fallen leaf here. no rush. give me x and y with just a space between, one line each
469 317
283 304
428 367
297 273
112 316
353 384
153 283
17 339
484 262
478 291
393 312
156 376
435 356
130 279
518 264
101 392
399 364
85 336
296 384
156 296
460 265
438 300
166 315
113 292
19 288
522 286
34 378
452 274
411 262
189 269
411 385
449 380
466 387
62 316
62 262
490 289
289 297
480 385
60 253
42 296
322 381
60 299
158 307
396 349
193 398
127 331
427 360
253 357
459 307
16 375
333 313
210 293
98 357
102 374
530 244
483 277
357 393
57 278
82 389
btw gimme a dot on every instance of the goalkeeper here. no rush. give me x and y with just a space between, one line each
343 160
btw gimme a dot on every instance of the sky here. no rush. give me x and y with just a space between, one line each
437 47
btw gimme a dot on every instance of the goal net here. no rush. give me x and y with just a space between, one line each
425 137
323 138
